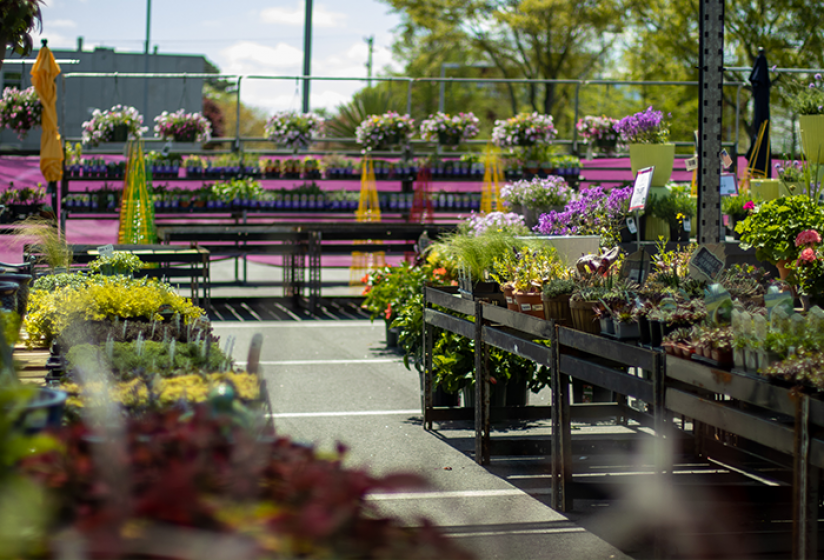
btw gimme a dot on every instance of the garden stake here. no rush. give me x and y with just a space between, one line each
172 353
125 324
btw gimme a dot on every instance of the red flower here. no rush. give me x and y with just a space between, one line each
749 205
807 256
388 312
807 237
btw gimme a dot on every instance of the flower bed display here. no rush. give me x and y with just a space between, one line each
20 111
599 131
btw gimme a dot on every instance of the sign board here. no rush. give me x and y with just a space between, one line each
725 158
640 189
691 163
706 264
729 184
637 267
105 250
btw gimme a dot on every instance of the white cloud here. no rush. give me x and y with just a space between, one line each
321 16
247 57
61 23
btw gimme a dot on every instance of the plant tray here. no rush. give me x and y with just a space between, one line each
711 362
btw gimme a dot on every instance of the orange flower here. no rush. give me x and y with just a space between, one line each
365 279
439 271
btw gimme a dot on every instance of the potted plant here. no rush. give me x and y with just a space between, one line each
119 262
182 127
673 210
115 125
536 197
792 175
647 134
533 268
293 130
450 130
596 211
524 130
807 101
737 208
774 225
599 132
20 111
380 132
557 292
807 271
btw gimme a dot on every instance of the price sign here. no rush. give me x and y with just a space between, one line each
725 158
705 264
633 229
691 163
729 185
105 250
640 189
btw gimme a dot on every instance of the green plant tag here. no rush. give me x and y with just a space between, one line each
774 300
718 303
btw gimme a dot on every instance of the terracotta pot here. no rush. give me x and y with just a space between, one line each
783 271
530 303
583 316
557 309
509 296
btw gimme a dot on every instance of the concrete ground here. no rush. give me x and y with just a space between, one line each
331 378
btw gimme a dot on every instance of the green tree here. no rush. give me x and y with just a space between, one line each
535 39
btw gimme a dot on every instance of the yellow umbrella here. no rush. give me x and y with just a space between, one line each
43 75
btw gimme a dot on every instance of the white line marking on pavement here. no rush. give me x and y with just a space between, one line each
521 532
457 494
348 413
330 362
294 325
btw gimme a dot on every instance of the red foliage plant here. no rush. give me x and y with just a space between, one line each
171 484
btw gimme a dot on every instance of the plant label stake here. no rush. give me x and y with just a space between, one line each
640 191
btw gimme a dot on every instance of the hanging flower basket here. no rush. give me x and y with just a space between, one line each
524 130
293 130
20 111
379 132
599 131
103 125
450 130
182 127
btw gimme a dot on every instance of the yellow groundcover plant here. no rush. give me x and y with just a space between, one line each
107 297
164 392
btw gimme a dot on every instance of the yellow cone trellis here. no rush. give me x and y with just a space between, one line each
369 210
137 225
493 177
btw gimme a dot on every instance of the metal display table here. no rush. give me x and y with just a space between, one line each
731 413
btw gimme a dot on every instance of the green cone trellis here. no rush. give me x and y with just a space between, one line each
137 225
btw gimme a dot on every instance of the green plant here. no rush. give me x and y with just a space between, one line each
237 189
674 208
772 228
44 240
739 207
474 254
535 266
806 98
18 18
558 286
119 262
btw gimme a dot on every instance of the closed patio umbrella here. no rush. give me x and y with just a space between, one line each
760 80
43 76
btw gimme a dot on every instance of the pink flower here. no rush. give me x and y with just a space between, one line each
749 205
807 256
807 237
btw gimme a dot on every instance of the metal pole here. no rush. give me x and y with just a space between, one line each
370 41
441 86
236 146
575 118
409 97
146 58
710 95
307 55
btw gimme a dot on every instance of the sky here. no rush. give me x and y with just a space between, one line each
260 37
